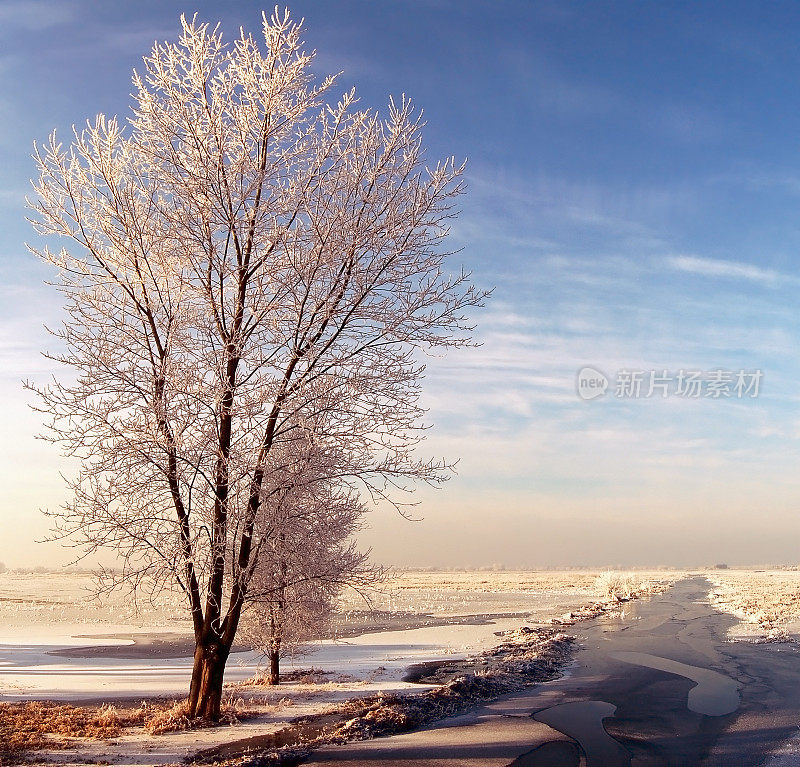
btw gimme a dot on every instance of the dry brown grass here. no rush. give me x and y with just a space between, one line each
305 676
37 725
175 717
511 581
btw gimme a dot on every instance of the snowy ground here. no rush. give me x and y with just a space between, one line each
767 602
43 613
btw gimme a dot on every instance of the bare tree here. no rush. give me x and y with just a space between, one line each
240 261
309 520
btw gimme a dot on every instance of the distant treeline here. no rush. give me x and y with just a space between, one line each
42 570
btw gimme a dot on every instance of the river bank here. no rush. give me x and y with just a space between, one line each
659 685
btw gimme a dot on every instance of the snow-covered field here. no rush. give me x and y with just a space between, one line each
417 616
767 602
44 613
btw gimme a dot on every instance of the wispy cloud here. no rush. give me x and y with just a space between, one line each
581 217
709 267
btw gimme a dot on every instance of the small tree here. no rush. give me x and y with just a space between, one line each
310 556
283 626
242 260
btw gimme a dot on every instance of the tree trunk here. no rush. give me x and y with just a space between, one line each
274 667
205 693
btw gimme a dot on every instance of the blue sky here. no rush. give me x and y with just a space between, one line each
634 190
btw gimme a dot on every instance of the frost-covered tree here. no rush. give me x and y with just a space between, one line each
239 260
310 519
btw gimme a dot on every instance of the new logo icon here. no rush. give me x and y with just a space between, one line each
591 383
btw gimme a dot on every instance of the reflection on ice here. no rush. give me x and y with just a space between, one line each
31 670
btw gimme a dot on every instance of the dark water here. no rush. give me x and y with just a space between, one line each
714 695
684 694
583 722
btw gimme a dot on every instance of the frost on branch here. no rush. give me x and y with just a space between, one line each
247 264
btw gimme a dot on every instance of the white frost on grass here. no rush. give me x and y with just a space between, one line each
767 602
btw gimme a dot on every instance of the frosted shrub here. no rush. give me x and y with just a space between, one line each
615 585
